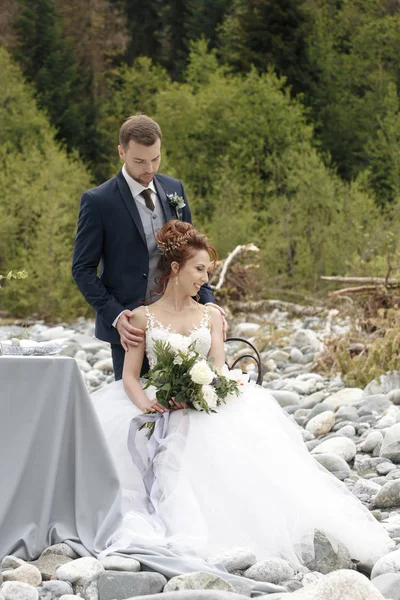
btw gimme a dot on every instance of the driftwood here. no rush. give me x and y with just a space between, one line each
362 289
363 280
235 254
267 305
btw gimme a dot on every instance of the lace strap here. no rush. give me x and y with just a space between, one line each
206 318
150 318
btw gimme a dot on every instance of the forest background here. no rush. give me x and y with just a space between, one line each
281 117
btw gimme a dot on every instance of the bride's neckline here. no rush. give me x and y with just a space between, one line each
153 322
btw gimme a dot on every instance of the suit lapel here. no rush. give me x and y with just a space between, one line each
167 208
130 204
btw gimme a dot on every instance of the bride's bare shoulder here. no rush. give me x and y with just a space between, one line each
139 317
215 317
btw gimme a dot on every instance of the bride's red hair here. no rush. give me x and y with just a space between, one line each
178 241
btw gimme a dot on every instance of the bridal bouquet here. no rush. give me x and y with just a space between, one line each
181 376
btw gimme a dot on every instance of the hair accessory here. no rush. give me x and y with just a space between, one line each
175 243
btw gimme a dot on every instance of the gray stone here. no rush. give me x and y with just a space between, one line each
26 573
385 468
17 590
322 423
388 495
390 563
391 444
341 446
11 562
117 585
60 549
326 558
200 595
373 439
394 396
305 338
80 571
334 464
388 585
377 403
49 563
120 563
50 590
345 397
70 597
364 464
340 585
313 399
234 559
198 581
365 489
383 385
273 570
296 355
284 397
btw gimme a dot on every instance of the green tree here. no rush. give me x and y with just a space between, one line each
244 149
41 187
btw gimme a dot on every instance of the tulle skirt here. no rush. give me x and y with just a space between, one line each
239 477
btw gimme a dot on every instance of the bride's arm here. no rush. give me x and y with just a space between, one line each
132 367
217 350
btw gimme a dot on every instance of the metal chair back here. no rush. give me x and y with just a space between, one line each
254 356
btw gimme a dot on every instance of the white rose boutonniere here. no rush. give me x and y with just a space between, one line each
177 202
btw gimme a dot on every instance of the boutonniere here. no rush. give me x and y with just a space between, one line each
177 202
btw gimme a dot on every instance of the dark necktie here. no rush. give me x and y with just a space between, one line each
146 194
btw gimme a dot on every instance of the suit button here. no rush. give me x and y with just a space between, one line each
145 275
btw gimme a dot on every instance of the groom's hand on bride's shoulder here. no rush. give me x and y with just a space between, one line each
223 317
130 335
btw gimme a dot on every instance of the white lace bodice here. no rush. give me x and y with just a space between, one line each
155 330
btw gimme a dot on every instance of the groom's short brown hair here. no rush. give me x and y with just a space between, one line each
141 129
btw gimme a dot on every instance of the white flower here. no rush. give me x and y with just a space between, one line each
201 373
197 405
238 376
235 375
178 342
209 395
178 360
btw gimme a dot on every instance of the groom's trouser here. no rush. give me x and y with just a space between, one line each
118 357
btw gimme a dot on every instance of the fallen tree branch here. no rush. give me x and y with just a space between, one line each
362 289
365 280
234 254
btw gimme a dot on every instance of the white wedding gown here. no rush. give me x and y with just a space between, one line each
240 477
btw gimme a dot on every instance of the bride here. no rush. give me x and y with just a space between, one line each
239 477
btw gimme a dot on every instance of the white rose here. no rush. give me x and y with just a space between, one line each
209 396
201 373
178 342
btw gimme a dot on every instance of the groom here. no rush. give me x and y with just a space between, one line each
117 224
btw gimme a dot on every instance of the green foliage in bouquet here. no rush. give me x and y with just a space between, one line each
181 376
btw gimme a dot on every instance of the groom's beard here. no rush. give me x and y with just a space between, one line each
143 178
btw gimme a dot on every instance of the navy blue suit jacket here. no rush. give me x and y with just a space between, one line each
110 233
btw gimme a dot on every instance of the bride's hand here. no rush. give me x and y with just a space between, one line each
156 407
177 405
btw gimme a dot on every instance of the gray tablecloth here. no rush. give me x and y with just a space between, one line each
57 479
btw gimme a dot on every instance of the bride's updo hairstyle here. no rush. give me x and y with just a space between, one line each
177 241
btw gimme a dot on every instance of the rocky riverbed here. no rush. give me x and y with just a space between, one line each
352 432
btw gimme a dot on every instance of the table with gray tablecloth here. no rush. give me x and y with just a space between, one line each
57 479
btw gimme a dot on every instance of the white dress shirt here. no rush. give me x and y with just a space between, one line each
136 189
